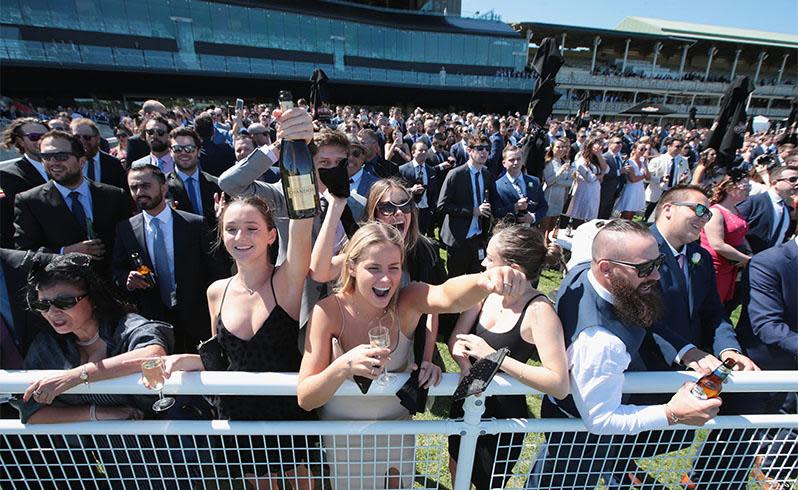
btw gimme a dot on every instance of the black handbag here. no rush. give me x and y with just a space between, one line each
480 375
212 355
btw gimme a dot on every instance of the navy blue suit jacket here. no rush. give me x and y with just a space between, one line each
768 327
758 212
366 181
459 153
494 162
408 174
506 197
697 318
456 203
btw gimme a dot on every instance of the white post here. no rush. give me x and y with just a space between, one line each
657 48
684 59
711 54
562 44
596 42
734 65
762 57
781 70
473 409
625 55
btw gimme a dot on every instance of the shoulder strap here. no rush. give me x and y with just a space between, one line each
341 312
271 285
526 306
224 295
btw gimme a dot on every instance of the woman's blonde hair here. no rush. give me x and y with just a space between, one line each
374 233
380 189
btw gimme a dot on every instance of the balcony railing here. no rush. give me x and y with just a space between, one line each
759 450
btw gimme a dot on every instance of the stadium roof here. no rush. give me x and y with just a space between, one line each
672 28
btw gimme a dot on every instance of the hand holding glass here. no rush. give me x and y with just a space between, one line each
381 337
153 379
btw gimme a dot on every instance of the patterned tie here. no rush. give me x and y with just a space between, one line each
192 195
518 187
164 275
78 211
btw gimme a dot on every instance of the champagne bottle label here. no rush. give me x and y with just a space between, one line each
301 191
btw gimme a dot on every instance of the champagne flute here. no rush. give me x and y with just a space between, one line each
153 379
380 336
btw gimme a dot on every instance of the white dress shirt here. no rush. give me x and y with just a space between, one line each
96 162
166 227
84 197
597 362
354 181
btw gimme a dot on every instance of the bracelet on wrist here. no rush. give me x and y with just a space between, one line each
671 415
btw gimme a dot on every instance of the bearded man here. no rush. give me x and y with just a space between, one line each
607 307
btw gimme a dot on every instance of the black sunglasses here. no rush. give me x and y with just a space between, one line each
791 180
85 137
151 132
644 269
699 209
480 147
355 153
389 208
33 136
58 156
43 305
184 148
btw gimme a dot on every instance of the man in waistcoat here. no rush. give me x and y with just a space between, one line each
607 307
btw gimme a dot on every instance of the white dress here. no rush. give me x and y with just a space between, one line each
557 186
633 194
362 462
585 203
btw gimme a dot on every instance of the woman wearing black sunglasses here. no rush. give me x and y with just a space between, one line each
91 338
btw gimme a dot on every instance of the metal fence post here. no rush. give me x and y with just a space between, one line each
473 409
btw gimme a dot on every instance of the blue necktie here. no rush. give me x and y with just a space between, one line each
617 165
78 211
164 276
192 195
161 165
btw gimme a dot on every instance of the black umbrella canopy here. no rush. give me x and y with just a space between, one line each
318 89
647 108
546 64
548 59
728 130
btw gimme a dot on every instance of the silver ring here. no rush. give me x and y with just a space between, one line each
37 393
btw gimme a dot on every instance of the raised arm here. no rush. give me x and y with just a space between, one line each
290 276
325 267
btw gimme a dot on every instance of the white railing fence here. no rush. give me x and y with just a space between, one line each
750 451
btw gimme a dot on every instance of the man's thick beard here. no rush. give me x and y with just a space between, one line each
158 145
634 307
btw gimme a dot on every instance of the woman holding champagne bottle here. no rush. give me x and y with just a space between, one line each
338 347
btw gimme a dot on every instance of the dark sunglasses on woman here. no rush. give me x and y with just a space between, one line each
60 303
389 208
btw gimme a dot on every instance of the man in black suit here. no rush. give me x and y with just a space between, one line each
193 190
69 213
214 158
459 150
768 213
613 180
467 209
175 245
374 160
422 183
22 174
576 146
137 146
494 162
100 166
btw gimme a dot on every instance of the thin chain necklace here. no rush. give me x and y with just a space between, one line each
86 343
249 290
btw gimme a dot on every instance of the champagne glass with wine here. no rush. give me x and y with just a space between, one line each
152 370
380 336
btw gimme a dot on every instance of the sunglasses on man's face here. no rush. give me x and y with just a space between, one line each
152 132
58 156
60 303
699 209
85 137
791 180
389 208
644 269
480 147
33 136
184 148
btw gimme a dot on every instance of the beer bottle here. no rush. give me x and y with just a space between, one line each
710 385
142 269
297 172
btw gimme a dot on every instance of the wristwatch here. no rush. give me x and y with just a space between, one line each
84 375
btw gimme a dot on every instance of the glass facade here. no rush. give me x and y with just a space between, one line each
185 21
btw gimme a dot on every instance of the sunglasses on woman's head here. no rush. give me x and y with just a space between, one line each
60 303
389 208
644 269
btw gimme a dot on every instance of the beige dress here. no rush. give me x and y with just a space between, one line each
362 462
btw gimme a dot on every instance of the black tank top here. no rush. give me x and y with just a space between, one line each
520 349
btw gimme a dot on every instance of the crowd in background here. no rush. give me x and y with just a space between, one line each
395 189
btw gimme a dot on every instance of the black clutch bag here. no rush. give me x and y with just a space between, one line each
212 355
363 383
481 374
412 396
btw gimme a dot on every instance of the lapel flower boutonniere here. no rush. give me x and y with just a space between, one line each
695 259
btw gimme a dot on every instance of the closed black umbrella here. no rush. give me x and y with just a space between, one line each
318 89
728 130
546 64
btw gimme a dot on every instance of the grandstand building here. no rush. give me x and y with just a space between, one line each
676 64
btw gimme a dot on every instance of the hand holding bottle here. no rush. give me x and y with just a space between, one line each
294 125
684 408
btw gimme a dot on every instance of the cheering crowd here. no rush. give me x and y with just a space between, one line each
181 234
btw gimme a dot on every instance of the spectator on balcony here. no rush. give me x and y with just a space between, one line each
100 166
536 329
607 307
22 174
337 347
